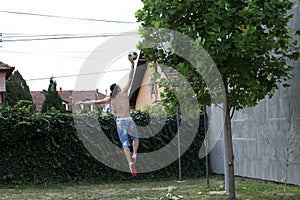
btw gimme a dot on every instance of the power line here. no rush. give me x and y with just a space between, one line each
28 35
76 75
35 35
64 17
70 37
61 54
56 52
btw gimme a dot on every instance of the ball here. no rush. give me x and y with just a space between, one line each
133 55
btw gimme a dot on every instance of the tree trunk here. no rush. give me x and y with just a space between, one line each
230 156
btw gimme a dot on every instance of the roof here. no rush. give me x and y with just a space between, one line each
38 99
87 95
6 68
67 96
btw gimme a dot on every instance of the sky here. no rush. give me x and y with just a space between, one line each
23 22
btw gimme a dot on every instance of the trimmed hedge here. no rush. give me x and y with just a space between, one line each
46 148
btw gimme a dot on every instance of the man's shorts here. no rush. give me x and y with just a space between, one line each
125 127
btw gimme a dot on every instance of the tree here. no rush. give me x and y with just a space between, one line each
17 89
52 98
248 40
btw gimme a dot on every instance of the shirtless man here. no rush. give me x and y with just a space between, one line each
125 124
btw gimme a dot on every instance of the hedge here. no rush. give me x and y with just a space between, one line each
46 148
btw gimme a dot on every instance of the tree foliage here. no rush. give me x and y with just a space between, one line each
16 89
249 41
52 99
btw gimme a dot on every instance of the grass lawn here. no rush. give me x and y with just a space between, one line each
150 189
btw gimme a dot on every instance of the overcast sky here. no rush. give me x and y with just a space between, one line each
38 60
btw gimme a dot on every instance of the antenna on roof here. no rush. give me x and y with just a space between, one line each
1 39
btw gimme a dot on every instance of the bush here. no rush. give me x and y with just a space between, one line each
46 148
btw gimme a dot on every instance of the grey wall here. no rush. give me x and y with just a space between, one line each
254 156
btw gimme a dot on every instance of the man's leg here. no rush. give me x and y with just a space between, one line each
130 161
125 144
135 146
127 154
135 142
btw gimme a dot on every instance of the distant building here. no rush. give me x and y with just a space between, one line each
86 96
5 72
67 97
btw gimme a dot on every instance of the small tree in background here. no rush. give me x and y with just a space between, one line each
286 151
52 98
16 89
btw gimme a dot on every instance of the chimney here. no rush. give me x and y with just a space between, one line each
60 91
96 94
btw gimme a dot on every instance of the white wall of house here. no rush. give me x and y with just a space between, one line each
255 157
2 81
2 86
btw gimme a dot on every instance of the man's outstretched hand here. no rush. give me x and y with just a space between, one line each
131 60
78 102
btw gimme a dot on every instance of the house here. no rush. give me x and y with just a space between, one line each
143 91
5 72
86 96
67 97
140 86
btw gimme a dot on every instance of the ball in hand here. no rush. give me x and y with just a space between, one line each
133 55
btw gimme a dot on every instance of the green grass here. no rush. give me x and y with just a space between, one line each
150 189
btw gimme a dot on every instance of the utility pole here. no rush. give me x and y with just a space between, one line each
179 149
206 147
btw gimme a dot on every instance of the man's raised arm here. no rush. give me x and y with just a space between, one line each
127 86
98 101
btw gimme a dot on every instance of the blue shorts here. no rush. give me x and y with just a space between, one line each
125 127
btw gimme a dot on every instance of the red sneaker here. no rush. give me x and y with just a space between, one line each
132 169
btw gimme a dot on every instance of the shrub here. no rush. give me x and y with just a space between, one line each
46 148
